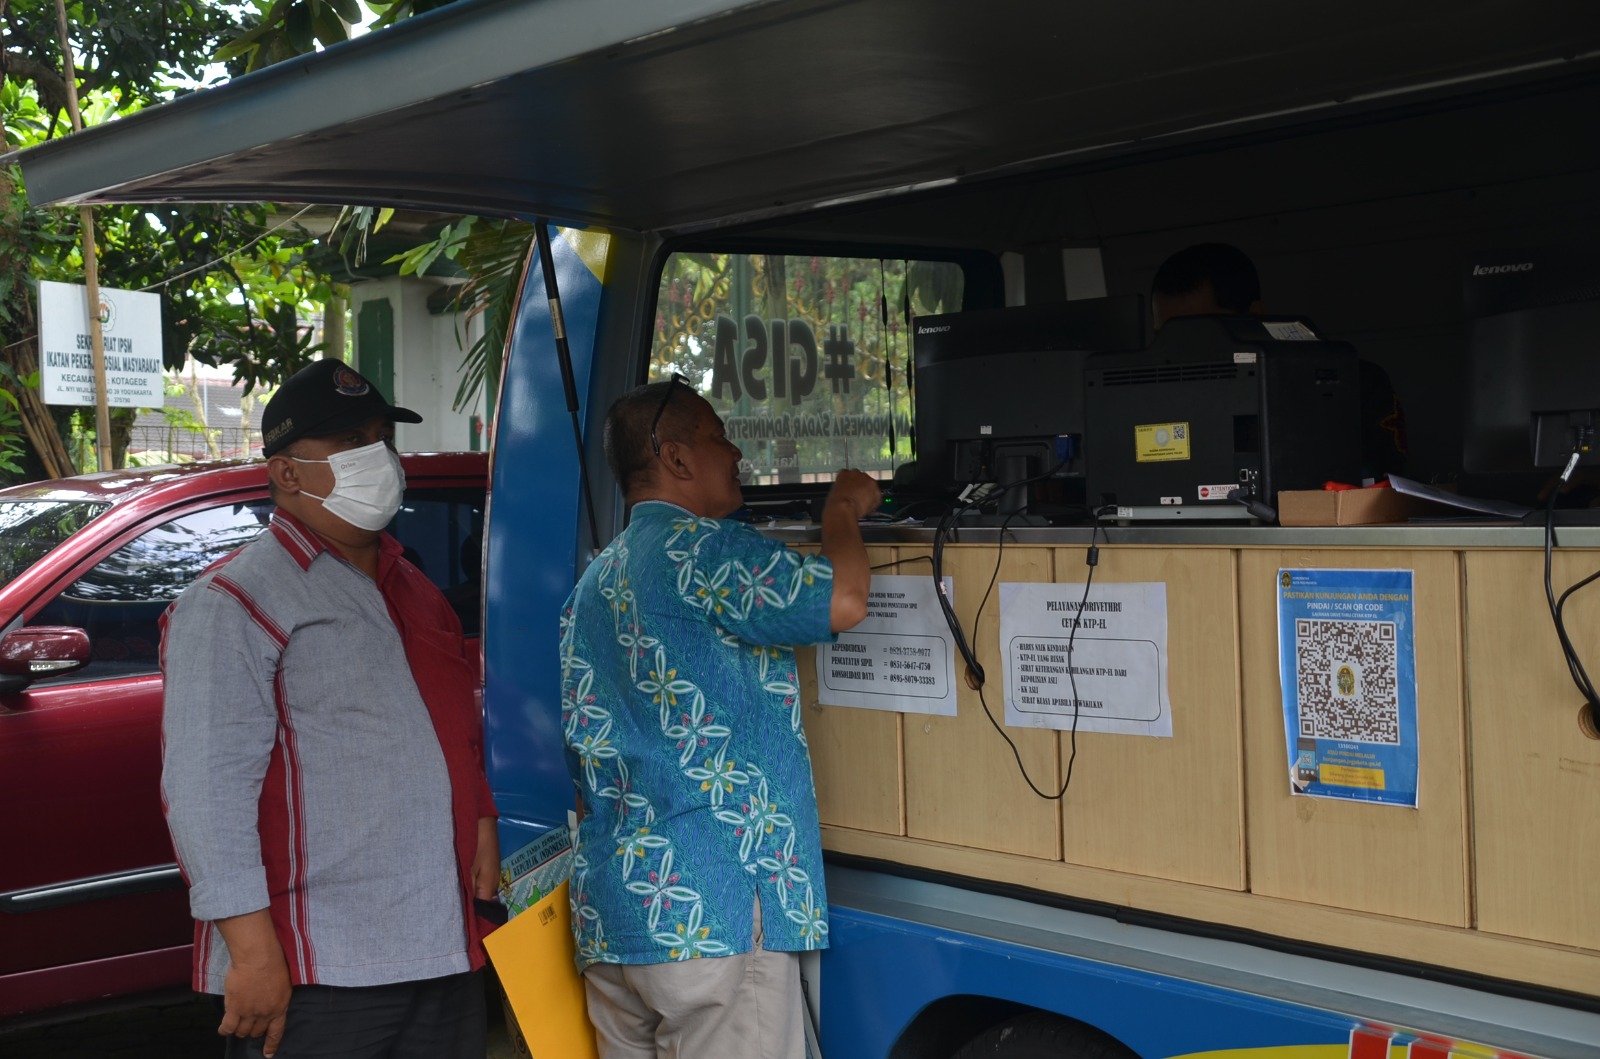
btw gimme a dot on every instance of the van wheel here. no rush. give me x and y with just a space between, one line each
1038 1035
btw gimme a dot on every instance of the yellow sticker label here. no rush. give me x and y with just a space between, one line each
1349 776
1159 442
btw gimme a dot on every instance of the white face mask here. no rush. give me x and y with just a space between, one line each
367 485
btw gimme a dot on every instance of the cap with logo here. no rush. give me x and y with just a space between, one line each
324 398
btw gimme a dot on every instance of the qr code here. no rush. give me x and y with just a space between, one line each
1345 676
1180 431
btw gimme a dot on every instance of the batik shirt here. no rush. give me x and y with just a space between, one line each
681 711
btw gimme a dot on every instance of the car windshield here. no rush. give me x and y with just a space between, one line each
30 528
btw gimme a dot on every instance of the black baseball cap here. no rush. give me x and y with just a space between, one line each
324 398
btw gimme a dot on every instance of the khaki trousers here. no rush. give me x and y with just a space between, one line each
746 1006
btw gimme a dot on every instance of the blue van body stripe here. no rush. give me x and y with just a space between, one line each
904 966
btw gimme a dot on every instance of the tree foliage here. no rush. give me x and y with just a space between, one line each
235 281
230 277
232 284
286 28
142 51
493 253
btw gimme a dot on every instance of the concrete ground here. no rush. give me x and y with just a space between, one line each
173 1026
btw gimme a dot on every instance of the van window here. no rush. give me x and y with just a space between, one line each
806 358
442 531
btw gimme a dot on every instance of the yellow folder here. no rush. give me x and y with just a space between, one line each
533 955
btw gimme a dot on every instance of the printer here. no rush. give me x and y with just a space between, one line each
1216 416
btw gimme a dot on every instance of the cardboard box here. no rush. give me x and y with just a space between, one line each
1347 507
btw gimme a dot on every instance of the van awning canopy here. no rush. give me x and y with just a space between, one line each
684 114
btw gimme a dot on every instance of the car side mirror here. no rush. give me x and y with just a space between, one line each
36 651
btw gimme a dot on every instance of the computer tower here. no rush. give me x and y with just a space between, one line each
1220 407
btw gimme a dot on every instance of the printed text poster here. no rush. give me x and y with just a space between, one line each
1347 662
901 657
130 324
1110 677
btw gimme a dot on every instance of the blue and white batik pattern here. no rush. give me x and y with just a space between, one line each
681 718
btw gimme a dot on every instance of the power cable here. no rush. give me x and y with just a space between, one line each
1569 653
235 253
198 268
1092 560
901 562
976 677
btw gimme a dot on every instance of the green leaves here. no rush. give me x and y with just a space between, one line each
282 29
233 292
142 51
12 446
349 10
494 254
286 28
399 10
452 237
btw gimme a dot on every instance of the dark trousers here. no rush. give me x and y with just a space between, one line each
438 1018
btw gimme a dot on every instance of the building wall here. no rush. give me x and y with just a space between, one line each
422 368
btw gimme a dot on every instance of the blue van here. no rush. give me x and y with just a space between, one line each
772 197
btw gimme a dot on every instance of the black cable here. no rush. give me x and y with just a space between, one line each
975 673
1092 559
558 327
941 534
1569 653
1580 676
907 559
975 676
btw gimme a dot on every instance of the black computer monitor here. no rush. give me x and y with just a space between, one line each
999 392
1533 359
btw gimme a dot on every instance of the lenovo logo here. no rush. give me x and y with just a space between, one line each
1495 270
940 330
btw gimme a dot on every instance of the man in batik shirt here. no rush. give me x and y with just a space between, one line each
698 871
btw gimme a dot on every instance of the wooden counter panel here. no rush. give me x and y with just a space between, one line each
1536 776
1410 863
1168 808
856 754
962 783
1553 966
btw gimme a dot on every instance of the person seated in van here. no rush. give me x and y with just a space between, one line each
1218 279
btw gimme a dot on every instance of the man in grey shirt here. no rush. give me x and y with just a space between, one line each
323 764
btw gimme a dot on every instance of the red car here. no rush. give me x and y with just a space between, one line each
91 903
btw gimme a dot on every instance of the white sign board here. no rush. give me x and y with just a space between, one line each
130 323
1113 678
901 657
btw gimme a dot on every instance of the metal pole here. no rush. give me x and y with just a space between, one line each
547 261
91 264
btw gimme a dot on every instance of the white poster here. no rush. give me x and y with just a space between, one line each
1114 677
901 657
130 325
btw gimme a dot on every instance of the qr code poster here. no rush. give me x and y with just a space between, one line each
1347 662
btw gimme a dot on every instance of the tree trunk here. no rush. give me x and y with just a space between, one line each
121 434
333 328
37 422
21 350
